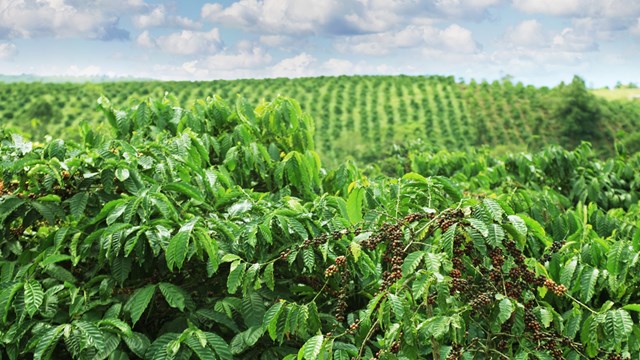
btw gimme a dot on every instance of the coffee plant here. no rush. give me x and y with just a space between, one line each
214 232
355 115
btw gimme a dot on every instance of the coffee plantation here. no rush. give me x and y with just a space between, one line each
215 232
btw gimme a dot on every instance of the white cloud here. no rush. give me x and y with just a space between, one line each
276 40
91 70
297 66
528 33
453 38
581 8
145 40
275 16
458 39
466 8
339 17
571 40
7 51
635 29
60 18
187 42
549 7
247 57
158 17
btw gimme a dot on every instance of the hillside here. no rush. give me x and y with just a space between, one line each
353 113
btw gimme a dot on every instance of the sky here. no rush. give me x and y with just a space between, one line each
539 42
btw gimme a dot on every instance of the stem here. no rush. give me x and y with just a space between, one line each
435 346
366 338
320 291
580 303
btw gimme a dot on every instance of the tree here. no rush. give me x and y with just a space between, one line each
580 113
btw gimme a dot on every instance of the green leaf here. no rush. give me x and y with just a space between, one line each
449 188
632 307
202 352
174 295
354 205
33 296
253 309
447 240
120 268
506 309
588 281
9 205
185 189
139 301
178 247
495 208
518 321
219 346
480 226
122 174
411 263
91 334
47 343
270 321
111 323
437 326
614 257
137 343
573 323
6 298
567 272
396 306
309 258
356 250
496 235
54 258
518 224
311 349
267 276
236 274
618 325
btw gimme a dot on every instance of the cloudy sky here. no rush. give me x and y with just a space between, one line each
539 42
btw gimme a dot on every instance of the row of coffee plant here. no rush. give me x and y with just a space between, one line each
215 232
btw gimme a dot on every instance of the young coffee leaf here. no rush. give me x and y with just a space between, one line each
236 275
78 203
6 299
47 343
588 280
618 325
178 247
411 263
139 301
311 349
201 352
33 296
219 346
267 276
174 295
518 224
138 344
253 309
506 309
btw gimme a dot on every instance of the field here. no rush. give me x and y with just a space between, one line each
205 225
618 94
352 115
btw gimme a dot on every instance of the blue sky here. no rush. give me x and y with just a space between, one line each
539 42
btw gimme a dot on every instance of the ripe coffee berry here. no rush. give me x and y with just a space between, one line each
330 271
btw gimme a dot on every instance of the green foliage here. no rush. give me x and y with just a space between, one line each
367 118
214 233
